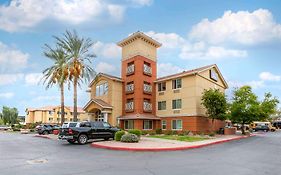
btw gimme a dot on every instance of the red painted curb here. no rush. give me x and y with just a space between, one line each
43 136
167 149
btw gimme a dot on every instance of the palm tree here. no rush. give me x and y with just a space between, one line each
58 73
80 70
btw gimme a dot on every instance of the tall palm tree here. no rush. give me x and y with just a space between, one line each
58 73
80 70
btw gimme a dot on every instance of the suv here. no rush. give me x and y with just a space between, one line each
46 128
86 131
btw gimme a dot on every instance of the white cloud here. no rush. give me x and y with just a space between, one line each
254 84
11 59
267 76
142 2
168 40
24 14
46 98
7 79
7 95
199 50
105 68
167 69
241 27
107 50
33 79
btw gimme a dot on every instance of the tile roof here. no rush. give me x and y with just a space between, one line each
99 102
184 73
139 116
50 108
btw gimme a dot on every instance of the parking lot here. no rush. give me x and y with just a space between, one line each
25 154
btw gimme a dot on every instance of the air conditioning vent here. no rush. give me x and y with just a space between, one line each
177 91
177 111
161 93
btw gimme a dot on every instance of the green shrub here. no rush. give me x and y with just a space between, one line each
130 138
17 127
158 131
186 132
135 131
152 133
174 132
169 132
144 132
212 134
118 135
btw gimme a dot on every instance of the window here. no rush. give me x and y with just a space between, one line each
86 124
147 124
129 124
102 89
106 125
50 119
162 86
176 104
176 124
161 105
146 68
130 68
164 124
176 84
51 112
213 75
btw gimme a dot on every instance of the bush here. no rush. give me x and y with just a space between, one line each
118 135
158 131
212 134
130 138
186 132
135 131
17 127
169 132
144 132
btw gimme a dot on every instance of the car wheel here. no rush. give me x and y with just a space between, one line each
82 139
45 132
71 141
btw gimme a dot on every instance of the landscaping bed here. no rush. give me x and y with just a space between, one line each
180 138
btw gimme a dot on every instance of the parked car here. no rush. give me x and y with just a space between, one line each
262 126
276 124
86 131
70 124
46 128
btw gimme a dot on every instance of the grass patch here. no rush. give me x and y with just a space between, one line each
179 138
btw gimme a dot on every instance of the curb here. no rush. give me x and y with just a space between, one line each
168 149
43 136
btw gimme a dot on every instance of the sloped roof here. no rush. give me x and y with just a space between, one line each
141 35
99 102
107 76
50 108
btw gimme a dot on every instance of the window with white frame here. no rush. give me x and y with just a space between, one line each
129 124
176 104
162 86
147 124
176 84
161 105
164 124
176 124
102 89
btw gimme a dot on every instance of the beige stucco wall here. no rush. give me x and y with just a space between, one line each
139 47
191 92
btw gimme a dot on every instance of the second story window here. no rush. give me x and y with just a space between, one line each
147 69
129 105
162 86
102 89
161 105
147 106
176 84
176 104
130 87
147 88
130 68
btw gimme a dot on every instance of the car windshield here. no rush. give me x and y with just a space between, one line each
72 124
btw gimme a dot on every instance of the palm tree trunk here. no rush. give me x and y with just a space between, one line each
75 100
62 103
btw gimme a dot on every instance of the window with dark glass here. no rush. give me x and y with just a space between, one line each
162 86
176 104
176 84
161 105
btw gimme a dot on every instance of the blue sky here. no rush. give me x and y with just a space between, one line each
242 37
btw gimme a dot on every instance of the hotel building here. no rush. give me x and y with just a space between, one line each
141 100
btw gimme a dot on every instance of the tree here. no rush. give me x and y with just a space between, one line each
215 103
77 50
9 115
245 106
268 107
58 73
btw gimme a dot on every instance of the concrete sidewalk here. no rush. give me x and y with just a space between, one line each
156 144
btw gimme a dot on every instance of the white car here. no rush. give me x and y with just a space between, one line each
70 124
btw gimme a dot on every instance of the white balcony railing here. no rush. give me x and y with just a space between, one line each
129 87
147 69
129 106
147 88
147 106
131 69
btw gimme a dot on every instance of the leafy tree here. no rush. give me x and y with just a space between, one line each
77 49
56 74
268 107
215 103
9 115
245 106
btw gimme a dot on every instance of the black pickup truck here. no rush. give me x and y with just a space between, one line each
86 131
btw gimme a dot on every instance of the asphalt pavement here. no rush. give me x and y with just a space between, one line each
28 155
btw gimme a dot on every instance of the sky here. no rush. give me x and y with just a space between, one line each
242 37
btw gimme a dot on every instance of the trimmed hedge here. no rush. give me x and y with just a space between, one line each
118 135
130 138
135 131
